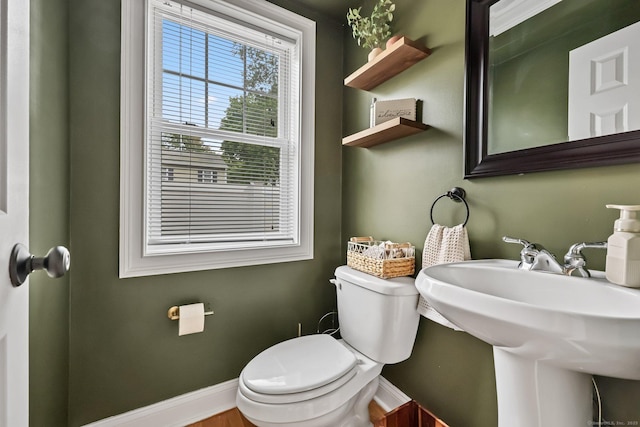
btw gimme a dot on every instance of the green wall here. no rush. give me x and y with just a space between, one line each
49 211
102 346
388 191
124 352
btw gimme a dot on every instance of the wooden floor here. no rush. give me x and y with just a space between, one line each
233 418
411 414
230 418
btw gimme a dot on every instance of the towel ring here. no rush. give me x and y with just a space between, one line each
457 195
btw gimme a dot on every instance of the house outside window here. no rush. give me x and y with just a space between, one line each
226 106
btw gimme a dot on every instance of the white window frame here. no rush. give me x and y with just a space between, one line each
133 259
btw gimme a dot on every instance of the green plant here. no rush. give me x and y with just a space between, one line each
372 31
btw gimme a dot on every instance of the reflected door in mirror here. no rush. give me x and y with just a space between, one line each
604 90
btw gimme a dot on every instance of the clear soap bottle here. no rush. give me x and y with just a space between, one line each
623 248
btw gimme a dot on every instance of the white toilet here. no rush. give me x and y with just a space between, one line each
318 381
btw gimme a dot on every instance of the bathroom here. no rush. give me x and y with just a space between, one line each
101 345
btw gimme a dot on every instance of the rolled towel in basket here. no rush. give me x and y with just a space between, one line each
443 245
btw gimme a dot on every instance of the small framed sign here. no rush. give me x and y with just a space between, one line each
386 110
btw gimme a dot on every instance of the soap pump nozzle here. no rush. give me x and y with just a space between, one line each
629 221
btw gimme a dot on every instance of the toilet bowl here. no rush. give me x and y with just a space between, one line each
325 383
320 381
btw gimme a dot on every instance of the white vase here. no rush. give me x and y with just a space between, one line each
374 52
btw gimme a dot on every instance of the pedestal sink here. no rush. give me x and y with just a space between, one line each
549 334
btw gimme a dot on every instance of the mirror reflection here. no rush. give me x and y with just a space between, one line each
561 70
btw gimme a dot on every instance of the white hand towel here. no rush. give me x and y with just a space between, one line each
442 246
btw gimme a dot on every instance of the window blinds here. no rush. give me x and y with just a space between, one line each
222 133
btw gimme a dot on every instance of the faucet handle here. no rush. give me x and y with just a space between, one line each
574 260
523 242
575 251
527 254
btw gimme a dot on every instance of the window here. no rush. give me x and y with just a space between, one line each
207 176
217 152
167 174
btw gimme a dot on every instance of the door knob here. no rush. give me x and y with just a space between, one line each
56 262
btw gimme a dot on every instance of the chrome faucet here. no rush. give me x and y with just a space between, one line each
575 261
528 253
535 257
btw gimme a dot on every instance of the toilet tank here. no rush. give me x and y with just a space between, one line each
377 317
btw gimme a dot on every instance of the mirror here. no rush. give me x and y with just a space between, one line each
540 95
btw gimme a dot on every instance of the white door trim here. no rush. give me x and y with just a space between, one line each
14 209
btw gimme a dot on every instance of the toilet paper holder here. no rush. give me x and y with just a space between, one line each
174 313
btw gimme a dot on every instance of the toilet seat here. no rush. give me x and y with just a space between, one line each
277 409
298 369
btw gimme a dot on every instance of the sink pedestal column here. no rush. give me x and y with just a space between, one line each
534 394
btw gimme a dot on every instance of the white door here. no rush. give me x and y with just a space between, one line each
604 85
14 210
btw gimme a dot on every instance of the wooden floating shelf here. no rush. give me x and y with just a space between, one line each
398 57
384 132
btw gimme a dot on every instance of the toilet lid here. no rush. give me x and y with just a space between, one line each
298 365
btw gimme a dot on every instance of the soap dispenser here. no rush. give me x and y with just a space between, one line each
623 248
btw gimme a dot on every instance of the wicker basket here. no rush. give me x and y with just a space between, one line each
381 259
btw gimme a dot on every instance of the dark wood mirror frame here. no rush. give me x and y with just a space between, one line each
599 151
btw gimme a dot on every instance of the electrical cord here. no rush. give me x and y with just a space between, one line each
330 331
595 386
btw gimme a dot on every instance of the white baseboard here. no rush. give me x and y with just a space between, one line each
180 410
389 396
204 403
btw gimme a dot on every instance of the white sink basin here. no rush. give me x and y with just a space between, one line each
550 333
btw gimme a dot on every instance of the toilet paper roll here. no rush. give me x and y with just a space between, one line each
191 319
